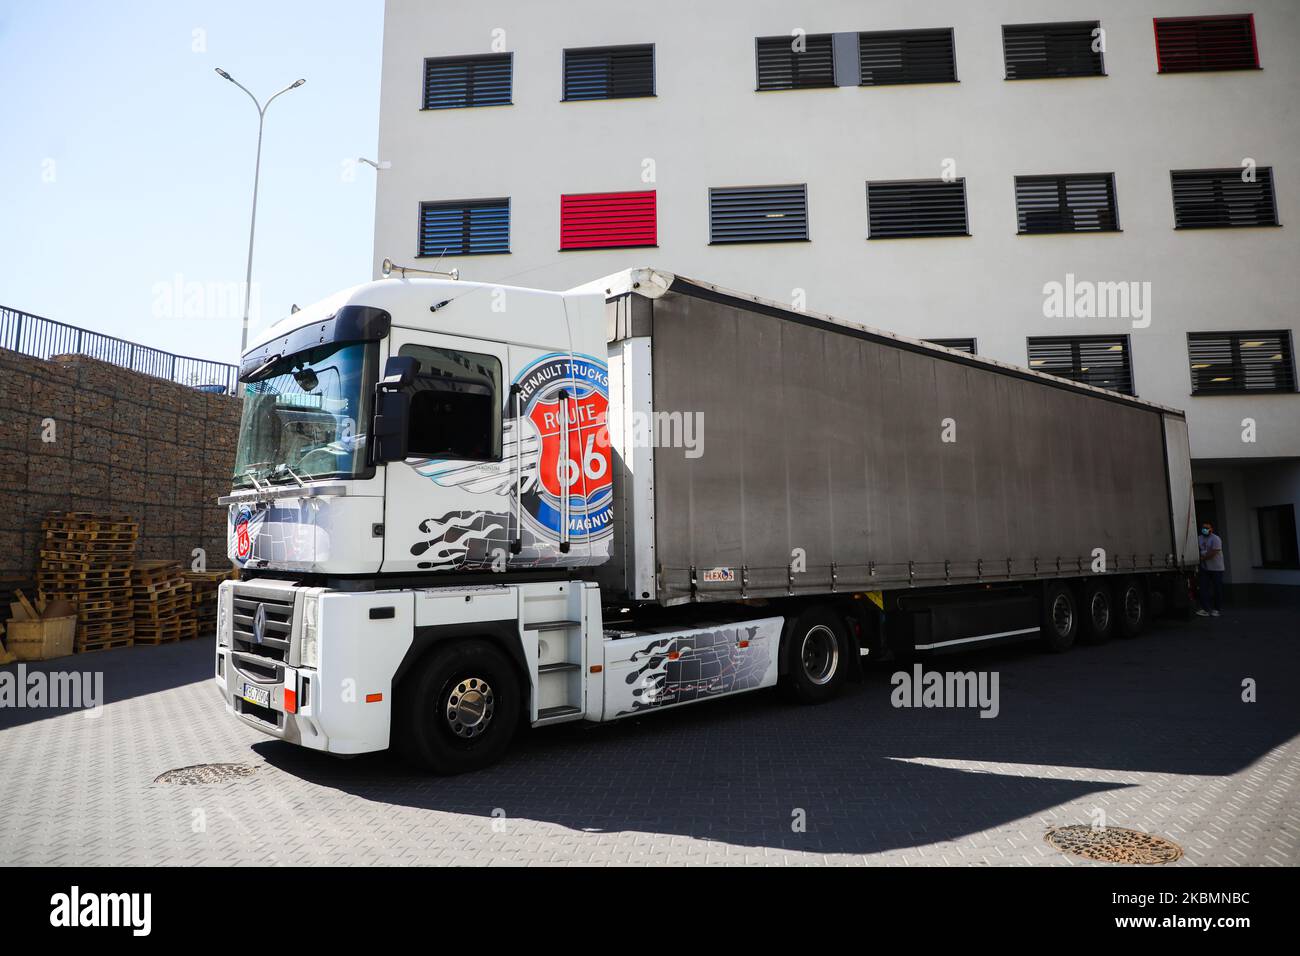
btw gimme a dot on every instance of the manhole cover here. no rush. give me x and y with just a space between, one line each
206 773
1113 844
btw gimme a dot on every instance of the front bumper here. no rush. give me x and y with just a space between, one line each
343 704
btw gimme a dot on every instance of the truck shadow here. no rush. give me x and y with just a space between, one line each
864 776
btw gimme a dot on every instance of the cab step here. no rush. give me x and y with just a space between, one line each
558 666
554 714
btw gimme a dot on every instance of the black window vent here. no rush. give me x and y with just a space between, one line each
957 345
916 208
1036 51
465 228
1229 363
1100 360
451 82
1076 203
609 72
889 57
782 65
1223 198
758 214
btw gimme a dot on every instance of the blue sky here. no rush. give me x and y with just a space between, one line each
126 170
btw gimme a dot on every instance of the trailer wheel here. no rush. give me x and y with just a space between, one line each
1130 609
1098 612
815 649
460 708
1060 617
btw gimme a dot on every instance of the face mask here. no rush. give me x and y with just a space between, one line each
1205 531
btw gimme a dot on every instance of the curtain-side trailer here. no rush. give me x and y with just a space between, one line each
461 507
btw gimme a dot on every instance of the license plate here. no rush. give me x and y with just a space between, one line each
256 695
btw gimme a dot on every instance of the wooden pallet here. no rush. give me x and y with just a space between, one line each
102 630
68 561
94 520
105 615
88 581
86 595
88 647
155 641
157 632
115 548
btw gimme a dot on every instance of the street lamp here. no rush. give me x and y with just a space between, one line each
382 164
257 172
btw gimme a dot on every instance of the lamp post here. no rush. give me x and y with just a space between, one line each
257 172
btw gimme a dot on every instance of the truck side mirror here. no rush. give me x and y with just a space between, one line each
392 422
399 372
393 409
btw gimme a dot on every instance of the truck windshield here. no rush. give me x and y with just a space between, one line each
307 415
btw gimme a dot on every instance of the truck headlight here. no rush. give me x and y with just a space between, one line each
309 647
224 597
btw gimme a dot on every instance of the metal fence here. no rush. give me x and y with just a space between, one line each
43 338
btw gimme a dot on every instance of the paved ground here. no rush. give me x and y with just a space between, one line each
1152 733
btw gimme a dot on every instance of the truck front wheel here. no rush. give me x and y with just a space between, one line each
460 708
815 651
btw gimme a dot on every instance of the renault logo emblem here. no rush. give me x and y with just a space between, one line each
259 624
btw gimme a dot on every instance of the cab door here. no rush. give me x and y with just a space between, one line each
449 505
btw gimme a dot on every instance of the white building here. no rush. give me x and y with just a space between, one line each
1180 138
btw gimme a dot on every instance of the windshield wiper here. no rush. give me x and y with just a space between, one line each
283 469
254 373
253 479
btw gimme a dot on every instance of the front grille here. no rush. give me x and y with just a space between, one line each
277 632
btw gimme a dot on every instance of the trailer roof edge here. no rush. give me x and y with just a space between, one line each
651 279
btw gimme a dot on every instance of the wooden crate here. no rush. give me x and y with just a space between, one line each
41 640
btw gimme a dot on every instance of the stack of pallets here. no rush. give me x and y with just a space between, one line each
162 603
203 588
86 558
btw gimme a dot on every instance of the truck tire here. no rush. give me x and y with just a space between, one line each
459 708
1060 617
1131 608
816 649
1098 612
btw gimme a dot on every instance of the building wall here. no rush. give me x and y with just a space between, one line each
708 127
123 442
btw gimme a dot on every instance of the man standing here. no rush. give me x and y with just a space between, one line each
1211 584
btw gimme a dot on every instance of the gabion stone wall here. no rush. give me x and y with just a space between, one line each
77 434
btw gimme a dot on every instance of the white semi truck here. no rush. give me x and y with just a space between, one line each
459 508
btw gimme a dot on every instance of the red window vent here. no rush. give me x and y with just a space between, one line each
1198 44
608 220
